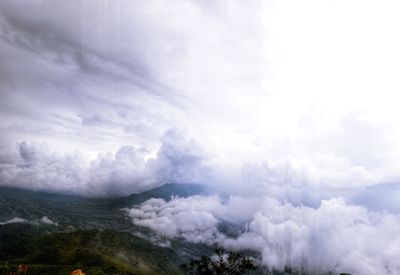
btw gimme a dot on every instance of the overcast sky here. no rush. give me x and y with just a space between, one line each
137 94
291 104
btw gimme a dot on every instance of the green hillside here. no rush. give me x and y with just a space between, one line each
55 234
92 234
94 251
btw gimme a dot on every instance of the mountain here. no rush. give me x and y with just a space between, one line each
94 251
166 192
56 233
79 212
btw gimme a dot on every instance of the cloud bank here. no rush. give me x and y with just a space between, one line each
335 236
35 166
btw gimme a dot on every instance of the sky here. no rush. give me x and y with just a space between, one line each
289 103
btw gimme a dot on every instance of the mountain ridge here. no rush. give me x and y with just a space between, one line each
93 234
165 191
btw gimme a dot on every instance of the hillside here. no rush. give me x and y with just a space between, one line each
55 234
96 252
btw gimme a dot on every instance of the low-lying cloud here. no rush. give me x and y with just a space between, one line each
194 218
335 236
43 220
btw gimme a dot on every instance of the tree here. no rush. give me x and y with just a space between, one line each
231 263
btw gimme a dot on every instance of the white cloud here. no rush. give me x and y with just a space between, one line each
34 166
130 169
335 236
44 220
14 220
194 218
265 92
47 220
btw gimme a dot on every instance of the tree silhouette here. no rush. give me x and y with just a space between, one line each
231 263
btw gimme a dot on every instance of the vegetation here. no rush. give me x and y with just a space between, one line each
233 263
229 263
93 251
94 235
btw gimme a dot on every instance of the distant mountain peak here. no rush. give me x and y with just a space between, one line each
166 192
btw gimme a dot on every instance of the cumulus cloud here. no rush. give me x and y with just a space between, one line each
130 169
34 166
335 236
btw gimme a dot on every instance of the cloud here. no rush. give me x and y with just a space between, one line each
299 175
14 220
111 76
335 236
180 159
194 218
130 169
44 220
47 220
34 166
295 101
115 74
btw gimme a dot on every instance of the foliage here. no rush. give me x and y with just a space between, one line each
94 251
231 263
